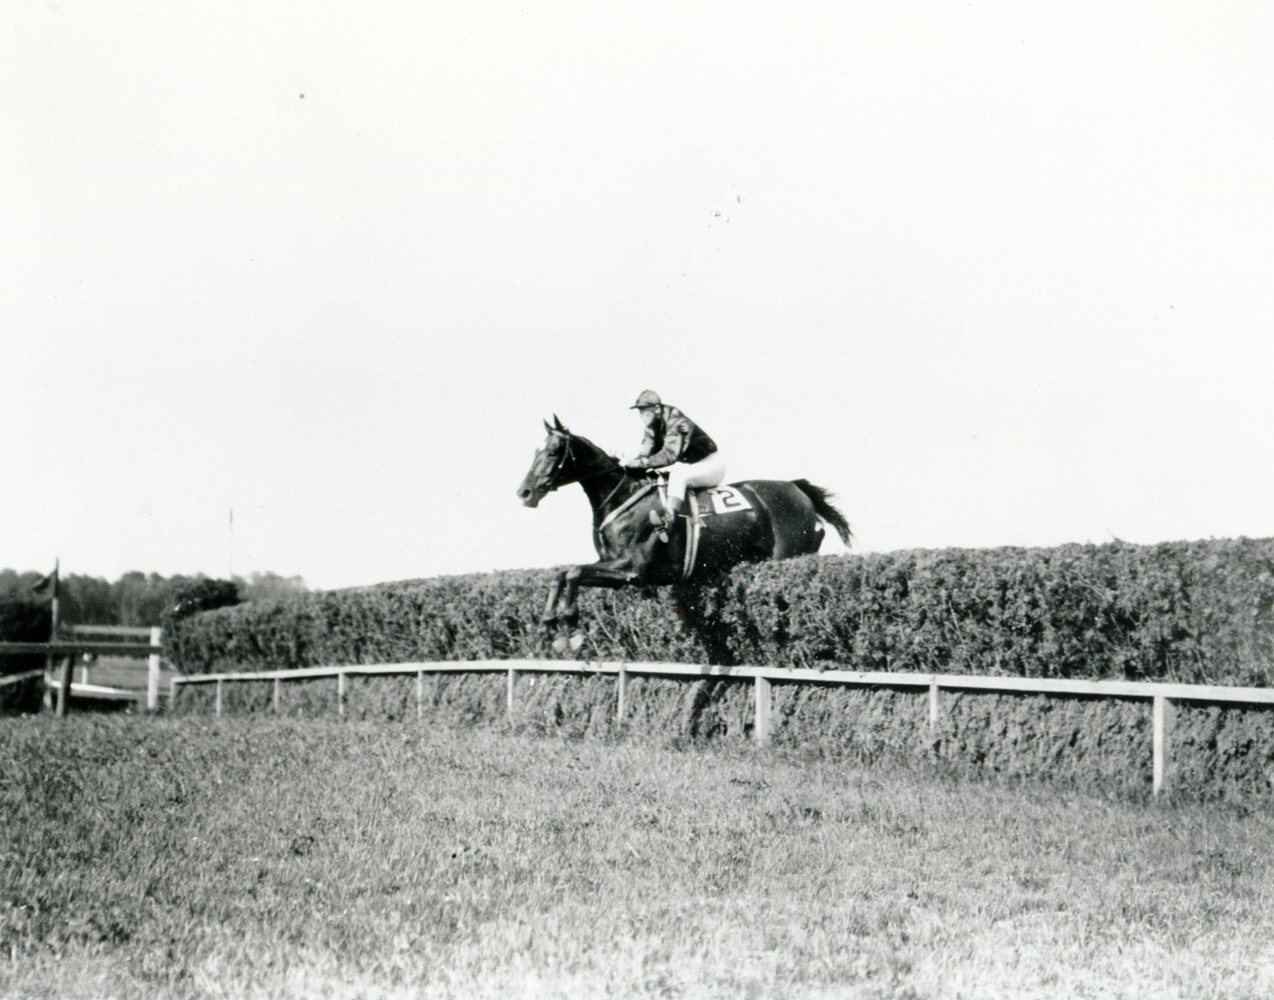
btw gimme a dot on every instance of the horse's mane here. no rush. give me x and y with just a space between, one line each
601 452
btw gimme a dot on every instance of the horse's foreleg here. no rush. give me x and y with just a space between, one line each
610 573
550 606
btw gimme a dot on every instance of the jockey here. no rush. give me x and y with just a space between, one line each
675 441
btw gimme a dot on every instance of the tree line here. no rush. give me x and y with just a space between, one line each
135 599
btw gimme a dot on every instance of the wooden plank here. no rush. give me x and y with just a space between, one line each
1163 695
137 631
621 694
1112 689
18 678
152 672
67 648
64 689
764 708
1162 719
64 694
1042 685
1024 685
1216 692
97 691
313 673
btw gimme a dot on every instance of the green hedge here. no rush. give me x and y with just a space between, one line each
488 616
1200 612
1194 612
23 621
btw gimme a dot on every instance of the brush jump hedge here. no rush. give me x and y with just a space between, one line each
1186 612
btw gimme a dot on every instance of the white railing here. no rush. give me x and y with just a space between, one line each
148 643
19 678
1162 696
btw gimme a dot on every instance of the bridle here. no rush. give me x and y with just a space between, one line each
549 482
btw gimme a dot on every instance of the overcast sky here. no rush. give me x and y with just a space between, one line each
994 273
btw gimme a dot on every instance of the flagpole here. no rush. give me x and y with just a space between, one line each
64 688
53 628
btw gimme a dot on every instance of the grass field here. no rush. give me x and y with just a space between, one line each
261 857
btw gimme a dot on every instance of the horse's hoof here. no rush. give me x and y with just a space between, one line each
577 641
559 645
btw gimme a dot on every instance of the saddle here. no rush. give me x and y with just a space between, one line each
703 502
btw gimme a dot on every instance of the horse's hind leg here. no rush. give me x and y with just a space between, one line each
797 541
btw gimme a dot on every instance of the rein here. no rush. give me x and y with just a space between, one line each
568 454
625 505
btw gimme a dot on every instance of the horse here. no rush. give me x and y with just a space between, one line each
767 519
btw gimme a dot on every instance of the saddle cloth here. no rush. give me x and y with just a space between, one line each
714 501
718 500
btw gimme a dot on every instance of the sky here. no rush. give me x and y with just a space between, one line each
993 273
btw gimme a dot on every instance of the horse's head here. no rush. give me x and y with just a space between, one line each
553 466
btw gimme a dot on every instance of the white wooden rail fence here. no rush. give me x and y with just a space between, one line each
1162 696
112 640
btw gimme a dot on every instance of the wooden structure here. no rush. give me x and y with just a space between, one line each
111 640
1161 696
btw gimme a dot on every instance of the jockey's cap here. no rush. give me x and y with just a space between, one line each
648 398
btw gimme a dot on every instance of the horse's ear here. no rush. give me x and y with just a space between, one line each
557 424
547 427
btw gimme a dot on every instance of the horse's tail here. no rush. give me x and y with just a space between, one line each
822 501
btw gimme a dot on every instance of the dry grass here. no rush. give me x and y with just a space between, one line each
299 858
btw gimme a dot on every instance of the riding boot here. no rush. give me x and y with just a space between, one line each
676 508
665 518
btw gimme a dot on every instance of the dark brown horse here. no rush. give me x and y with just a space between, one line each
763 519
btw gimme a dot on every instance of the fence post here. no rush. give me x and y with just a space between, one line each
420 695
764 706
935 705
513 675
152 671
64 691
340 694
621 693
219 686
64 688
278 683
1163 713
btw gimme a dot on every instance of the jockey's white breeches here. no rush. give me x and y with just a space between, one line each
709 471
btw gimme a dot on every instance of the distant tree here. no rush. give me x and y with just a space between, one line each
269 586
140 599
17 586
129 591
199 595
87 600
